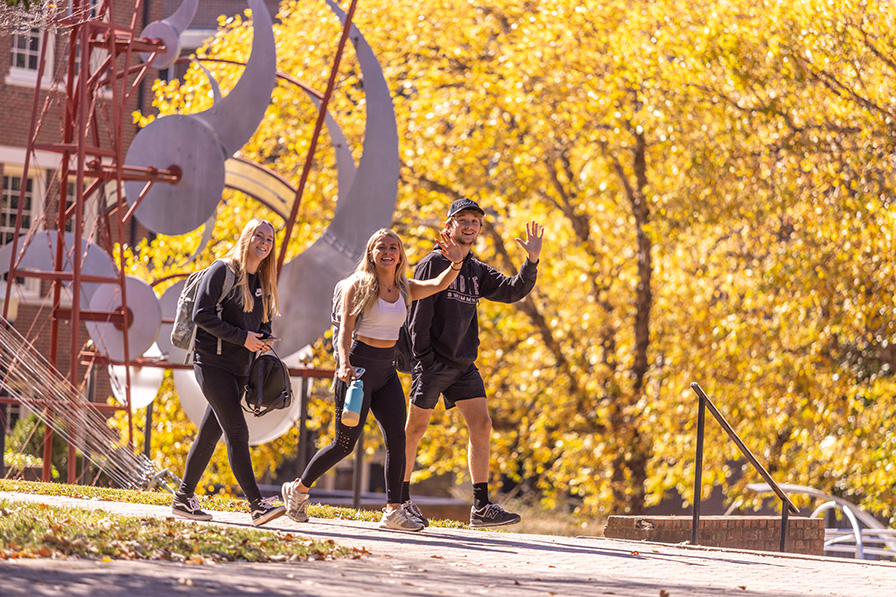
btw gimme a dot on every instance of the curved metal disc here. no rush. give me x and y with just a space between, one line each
145 381
199 143
189 143
236 117
306 315
146 320
366 206
169 30
170 38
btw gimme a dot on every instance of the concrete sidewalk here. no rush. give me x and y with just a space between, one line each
450 562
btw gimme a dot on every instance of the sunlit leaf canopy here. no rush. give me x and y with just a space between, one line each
717 183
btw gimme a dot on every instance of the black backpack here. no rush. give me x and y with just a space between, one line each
268 388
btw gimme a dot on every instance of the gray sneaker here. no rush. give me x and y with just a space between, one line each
492 515
399 520
296 502
414 513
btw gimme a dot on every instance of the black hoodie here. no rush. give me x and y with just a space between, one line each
233 326
444 327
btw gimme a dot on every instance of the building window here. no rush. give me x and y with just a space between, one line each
26 50
9 207
24 59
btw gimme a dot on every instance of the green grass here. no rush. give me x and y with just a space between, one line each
36 530
214 502
39 531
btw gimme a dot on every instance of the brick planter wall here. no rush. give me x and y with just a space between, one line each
759 533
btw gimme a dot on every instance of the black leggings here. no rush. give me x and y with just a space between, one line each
384 396
224 414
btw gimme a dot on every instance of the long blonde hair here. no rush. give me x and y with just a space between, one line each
367 286
267 272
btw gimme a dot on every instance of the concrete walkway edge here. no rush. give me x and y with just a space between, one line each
441 561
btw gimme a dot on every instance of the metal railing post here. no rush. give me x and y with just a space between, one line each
787 506
698 473
785 514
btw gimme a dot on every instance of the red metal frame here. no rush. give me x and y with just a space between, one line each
85 155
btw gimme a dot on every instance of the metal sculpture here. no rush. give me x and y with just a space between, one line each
199 144
178 165
368 205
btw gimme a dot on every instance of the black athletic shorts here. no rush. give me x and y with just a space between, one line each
452 384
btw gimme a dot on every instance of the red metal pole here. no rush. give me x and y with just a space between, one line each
331 83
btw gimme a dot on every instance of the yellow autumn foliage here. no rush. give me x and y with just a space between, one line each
717 183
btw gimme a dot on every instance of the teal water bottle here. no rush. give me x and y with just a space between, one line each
354 397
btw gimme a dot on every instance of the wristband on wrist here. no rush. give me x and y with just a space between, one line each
457 269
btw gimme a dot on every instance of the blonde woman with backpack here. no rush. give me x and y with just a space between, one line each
240 330
375 300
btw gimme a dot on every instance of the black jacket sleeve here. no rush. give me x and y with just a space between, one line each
504 289
205 311
420 317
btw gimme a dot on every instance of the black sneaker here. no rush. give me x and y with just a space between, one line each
264 511
492 515
187 506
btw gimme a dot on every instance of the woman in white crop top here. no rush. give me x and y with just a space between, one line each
379 293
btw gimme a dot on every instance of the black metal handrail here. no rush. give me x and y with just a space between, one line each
786 505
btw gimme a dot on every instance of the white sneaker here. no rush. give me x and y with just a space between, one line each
296 502
399 520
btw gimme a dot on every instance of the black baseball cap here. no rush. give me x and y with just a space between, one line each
462 204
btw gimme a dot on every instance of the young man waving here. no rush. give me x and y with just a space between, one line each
444 331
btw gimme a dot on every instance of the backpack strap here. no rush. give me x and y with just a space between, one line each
229 281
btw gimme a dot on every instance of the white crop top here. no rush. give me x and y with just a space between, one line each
383 321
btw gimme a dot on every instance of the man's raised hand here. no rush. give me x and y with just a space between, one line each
532 244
